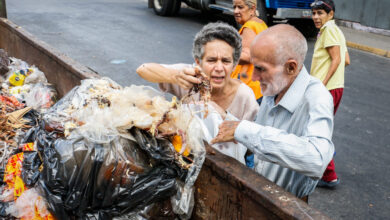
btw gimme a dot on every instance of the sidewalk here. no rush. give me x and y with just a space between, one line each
370 42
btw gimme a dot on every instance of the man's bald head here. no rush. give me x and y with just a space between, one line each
286 42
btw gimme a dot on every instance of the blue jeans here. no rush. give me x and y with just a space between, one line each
250 161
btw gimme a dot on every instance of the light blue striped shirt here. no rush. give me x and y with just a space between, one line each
293 139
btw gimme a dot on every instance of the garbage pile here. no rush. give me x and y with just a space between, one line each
100 152
24 93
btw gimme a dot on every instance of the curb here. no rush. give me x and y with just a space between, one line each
360 27
377 51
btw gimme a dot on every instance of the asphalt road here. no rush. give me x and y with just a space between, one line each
114 37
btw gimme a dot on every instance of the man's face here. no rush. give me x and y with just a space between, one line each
272 77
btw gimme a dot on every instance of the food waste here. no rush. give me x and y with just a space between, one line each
101 151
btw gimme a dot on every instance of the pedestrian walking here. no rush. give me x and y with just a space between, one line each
329 60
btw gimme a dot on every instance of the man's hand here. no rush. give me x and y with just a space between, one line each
187 77
226 132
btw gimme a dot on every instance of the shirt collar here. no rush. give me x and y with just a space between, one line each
295 93
328 23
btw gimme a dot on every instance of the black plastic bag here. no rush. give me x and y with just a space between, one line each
3 213
30 168
86 179
33 117
2 172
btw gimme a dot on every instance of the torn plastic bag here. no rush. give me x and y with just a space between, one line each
30 205
41 97
33 117
35 77
3 212
157 185
183 202
30 169
38 96
25 73
84 178
210 127
99 111
159 150
1 175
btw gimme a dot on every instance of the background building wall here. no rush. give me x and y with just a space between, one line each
372 13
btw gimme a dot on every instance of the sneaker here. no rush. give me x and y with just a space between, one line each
330 185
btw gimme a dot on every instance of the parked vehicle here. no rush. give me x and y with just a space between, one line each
269 10
225 189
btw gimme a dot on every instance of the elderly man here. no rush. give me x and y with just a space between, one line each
292 133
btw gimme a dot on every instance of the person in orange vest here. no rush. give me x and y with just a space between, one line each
245 14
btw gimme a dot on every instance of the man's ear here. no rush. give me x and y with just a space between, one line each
291 66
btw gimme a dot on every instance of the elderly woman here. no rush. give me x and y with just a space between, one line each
245 15
329 60
216 50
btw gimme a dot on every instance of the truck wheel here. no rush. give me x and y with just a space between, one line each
305 26
176 7
263 15
166 7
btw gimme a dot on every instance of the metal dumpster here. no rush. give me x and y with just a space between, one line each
225 189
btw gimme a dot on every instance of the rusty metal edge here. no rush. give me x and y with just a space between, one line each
266 193
70 64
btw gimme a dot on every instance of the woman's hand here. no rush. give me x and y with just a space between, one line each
347 59
187 77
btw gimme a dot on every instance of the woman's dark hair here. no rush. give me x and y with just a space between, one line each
326 5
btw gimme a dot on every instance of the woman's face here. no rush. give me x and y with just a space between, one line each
217 63
320 17
242 13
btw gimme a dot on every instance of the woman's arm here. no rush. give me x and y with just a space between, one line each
347 60
334 53
247 36
157 73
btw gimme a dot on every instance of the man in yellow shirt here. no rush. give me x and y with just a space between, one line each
329 60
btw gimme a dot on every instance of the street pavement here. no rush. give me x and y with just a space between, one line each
114 37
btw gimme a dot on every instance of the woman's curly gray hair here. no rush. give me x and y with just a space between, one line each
217 31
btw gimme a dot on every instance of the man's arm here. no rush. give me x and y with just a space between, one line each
308 154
